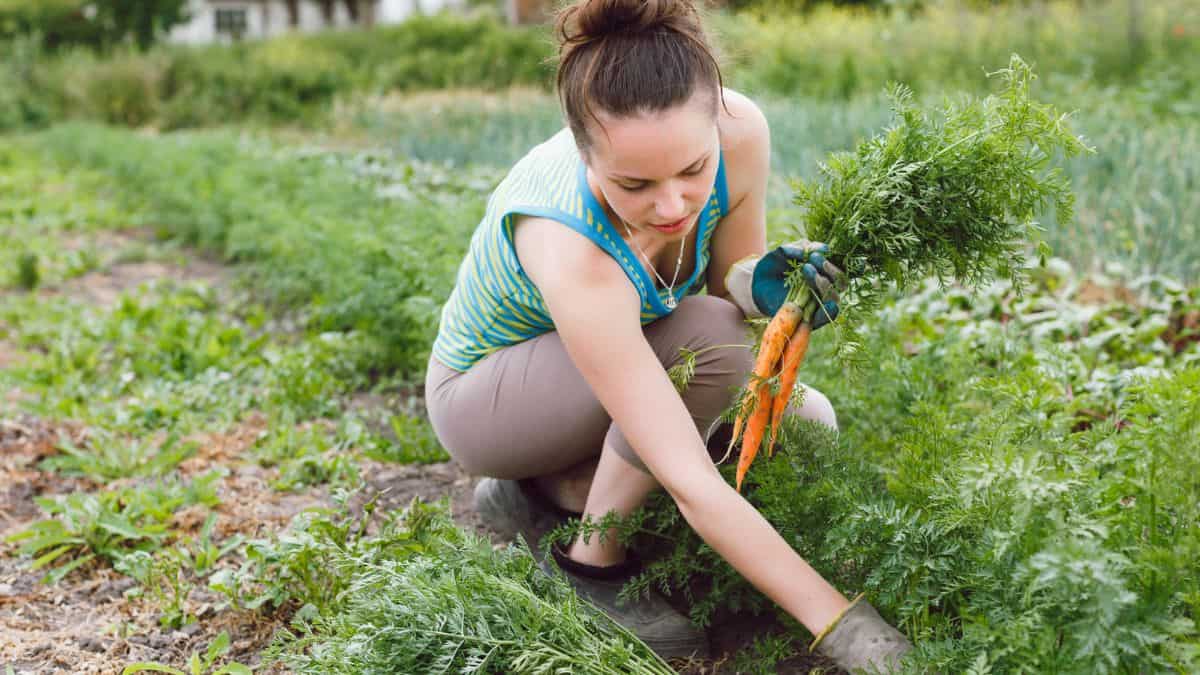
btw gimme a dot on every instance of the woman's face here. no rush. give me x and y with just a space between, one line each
656 171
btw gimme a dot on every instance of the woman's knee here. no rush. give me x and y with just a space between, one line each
718 331
816 407
716 320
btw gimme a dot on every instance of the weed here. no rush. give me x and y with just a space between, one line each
414 442
200 555
162 574
108 524
109 458
28 274
307 454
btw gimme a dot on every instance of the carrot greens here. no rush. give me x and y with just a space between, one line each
954 195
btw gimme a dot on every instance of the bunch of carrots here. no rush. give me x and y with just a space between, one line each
780 353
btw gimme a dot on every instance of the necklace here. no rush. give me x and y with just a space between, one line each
670 302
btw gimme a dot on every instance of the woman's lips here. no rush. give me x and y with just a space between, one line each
672 227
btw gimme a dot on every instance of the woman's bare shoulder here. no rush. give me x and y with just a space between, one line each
745 144
553 254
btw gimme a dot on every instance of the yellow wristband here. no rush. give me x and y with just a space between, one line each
832 624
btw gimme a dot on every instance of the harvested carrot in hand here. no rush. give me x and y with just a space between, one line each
774 340
755 425
792 358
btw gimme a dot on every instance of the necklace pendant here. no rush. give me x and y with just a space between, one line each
671 302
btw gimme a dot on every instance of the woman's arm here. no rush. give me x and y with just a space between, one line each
596 312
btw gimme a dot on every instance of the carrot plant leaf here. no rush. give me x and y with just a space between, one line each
954 195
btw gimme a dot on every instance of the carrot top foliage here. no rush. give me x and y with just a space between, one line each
955 196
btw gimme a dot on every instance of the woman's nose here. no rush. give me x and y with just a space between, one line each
670 206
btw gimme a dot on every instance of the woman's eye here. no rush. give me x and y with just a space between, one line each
691 172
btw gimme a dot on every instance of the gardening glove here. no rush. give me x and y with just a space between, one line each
860 639
757 282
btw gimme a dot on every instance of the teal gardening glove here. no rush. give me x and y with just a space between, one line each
757 286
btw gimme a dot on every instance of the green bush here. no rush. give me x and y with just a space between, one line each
53 23
283 79
832 53
23 86
123 89
442 51
90 23
837 53
286 79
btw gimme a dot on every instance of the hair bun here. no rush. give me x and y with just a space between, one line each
628 57
589 20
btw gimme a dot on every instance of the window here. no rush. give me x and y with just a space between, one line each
231 22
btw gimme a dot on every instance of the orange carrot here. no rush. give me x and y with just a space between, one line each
774 339
755 425
792 358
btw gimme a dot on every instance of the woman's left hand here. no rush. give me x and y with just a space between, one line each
758 283
768 287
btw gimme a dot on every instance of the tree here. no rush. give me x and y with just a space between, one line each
94 23
142 21
293 12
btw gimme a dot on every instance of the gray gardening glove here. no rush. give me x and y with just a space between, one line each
859 639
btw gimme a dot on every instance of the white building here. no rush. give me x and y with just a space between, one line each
224 20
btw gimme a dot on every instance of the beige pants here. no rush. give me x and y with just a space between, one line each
525 410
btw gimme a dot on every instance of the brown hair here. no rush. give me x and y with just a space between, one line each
630 56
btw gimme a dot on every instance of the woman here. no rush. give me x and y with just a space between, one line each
548 374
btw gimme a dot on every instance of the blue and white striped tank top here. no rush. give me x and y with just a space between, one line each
495 305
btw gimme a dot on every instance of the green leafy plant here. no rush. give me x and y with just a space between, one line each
201 554
447 601
953 197
166 574
294 565
109 524
28 274
107 457
305 455
162 573
999 485
412 442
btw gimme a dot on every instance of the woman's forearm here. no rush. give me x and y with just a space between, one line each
728 523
